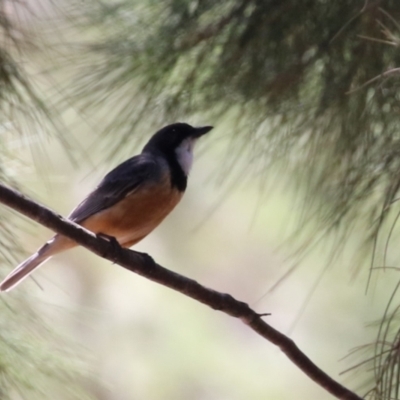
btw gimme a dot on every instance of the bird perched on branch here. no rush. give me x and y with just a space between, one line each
132 199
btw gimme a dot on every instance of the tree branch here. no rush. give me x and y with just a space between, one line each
144 265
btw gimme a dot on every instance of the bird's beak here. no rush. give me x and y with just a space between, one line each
201 131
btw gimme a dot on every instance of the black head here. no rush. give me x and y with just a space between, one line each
175 144
171 136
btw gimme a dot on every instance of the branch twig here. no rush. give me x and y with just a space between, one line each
145 266
389 72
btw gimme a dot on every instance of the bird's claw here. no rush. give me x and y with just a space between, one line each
115 246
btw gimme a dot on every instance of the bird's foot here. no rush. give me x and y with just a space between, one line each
115 246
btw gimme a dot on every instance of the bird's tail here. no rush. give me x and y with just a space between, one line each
56 245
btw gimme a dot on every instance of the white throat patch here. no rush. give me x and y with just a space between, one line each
184 154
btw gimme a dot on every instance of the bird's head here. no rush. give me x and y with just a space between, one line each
177 140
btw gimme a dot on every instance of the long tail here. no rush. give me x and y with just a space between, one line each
56 245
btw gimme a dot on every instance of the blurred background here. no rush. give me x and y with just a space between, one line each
291 204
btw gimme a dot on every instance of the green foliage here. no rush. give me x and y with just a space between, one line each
33 358
35 362
289 75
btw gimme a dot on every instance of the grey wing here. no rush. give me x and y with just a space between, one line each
124 179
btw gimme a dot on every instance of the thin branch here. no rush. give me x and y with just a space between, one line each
391 71
145 266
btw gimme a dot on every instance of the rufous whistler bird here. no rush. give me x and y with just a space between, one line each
132 199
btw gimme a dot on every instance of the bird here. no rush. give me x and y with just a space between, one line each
132 199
